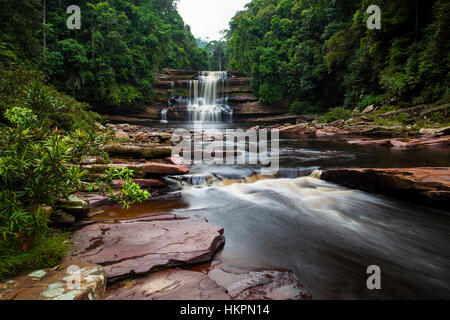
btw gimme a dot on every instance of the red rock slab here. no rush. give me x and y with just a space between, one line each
141 168
142 245
278 284
401 142
72 280
429 186
169 285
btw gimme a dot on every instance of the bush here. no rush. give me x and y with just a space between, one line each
34 171
335 114
302 107
48 250
20 87
370 100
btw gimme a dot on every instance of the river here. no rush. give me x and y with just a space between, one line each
327 234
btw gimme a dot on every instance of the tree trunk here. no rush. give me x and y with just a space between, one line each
44 36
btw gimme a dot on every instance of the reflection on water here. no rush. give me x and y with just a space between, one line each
117 212
329 236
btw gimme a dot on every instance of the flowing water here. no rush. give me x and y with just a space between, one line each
327 234
207 100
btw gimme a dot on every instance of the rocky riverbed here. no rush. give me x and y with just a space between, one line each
153 254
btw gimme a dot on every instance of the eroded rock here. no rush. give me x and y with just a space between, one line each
429 186
74 280
278 284
169 285
147 244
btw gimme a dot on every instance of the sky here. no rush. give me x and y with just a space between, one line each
208 17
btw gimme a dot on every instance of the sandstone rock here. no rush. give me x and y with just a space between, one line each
75 206
301 128
145 152
147 244
435 131
74 280
92 160
401 142
121 134
430 186
259 284
141 169
170 285
368 109
62 219
338 123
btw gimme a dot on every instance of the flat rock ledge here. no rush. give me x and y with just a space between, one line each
429 186
192 285
74 280
139 246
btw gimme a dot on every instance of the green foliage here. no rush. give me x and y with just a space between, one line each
302 107
370 100
130 193
323 53
48 250
335 114
35 170
113 60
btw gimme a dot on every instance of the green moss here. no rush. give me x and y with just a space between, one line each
46 252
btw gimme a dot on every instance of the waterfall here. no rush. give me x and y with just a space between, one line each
207 100
164 115
316 174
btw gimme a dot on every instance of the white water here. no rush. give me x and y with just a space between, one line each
207 101
329 235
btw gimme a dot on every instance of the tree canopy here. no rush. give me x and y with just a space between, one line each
321 52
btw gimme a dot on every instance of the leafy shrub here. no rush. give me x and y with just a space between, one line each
370 100
47 251
335 114
129 194
34 170
302 107
270 94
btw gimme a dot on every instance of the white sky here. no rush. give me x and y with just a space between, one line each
208 17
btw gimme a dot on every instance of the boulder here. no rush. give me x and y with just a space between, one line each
138 246
75 205
430 186
435 131
73 280
121 134
368 109
301 128
129 150
170 285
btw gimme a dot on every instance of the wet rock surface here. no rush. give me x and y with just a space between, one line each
429 186
280 284
72 280
169 285
218 284
147 244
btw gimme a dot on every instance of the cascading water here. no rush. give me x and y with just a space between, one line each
207 100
